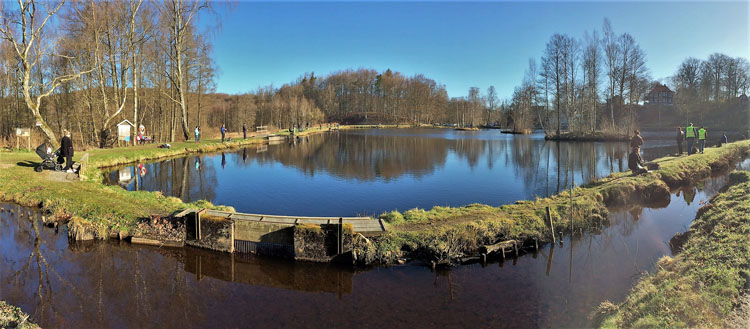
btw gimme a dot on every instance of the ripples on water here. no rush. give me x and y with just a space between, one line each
367 172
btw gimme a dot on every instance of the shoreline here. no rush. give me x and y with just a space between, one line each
99 211
702 285
596 136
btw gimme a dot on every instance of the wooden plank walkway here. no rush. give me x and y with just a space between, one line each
359 224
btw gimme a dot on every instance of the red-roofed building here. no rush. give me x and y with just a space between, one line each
660 95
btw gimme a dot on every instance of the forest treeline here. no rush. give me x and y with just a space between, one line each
87 65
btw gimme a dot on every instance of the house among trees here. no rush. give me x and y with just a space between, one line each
660 95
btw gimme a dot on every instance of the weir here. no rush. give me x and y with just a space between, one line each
303 238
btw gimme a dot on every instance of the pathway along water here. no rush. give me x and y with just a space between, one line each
367 172
116 284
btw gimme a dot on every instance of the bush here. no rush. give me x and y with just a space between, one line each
394 217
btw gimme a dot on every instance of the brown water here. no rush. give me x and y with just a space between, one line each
116 284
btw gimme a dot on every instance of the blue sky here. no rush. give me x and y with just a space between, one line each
457 44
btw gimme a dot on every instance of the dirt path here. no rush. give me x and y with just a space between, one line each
740 318
61 176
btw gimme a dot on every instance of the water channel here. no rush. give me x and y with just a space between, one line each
116 284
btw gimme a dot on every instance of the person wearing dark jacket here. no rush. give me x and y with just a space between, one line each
244 131
635 162
66 150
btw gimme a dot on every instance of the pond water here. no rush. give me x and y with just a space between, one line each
367 172
116 284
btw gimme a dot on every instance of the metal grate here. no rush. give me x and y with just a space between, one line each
262 248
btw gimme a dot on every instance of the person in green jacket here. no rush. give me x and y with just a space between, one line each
702 138
690 137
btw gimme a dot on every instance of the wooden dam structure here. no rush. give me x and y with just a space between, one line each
303 238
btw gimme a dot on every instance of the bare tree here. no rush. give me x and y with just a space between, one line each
475 102
612 57
591 71
179 15
555 60
491 102
24 30
718 64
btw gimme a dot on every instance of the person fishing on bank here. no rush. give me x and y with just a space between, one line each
690 137
680 137
702 138
223 132
635 162
637 141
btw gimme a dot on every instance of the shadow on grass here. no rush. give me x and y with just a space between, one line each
27 163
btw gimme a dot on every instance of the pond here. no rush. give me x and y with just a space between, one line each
116 284
367 172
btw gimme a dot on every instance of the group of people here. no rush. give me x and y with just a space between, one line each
223 131
690 134
696 142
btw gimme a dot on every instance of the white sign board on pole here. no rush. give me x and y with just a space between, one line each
23 132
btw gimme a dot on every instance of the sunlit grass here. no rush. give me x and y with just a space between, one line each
699 286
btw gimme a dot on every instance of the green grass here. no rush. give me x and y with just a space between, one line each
699 286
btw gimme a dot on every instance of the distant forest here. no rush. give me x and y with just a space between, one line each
87 65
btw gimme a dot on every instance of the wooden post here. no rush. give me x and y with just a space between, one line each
551 226
198 223
340 229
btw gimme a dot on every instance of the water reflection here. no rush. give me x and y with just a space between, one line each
169 177
116 284
371 171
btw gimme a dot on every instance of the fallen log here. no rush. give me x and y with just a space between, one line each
151 242
500 247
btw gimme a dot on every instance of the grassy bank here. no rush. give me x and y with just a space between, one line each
97 209
12 317
446 233
701 285
91 205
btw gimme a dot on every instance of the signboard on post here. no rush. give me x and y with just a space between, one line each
23 132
